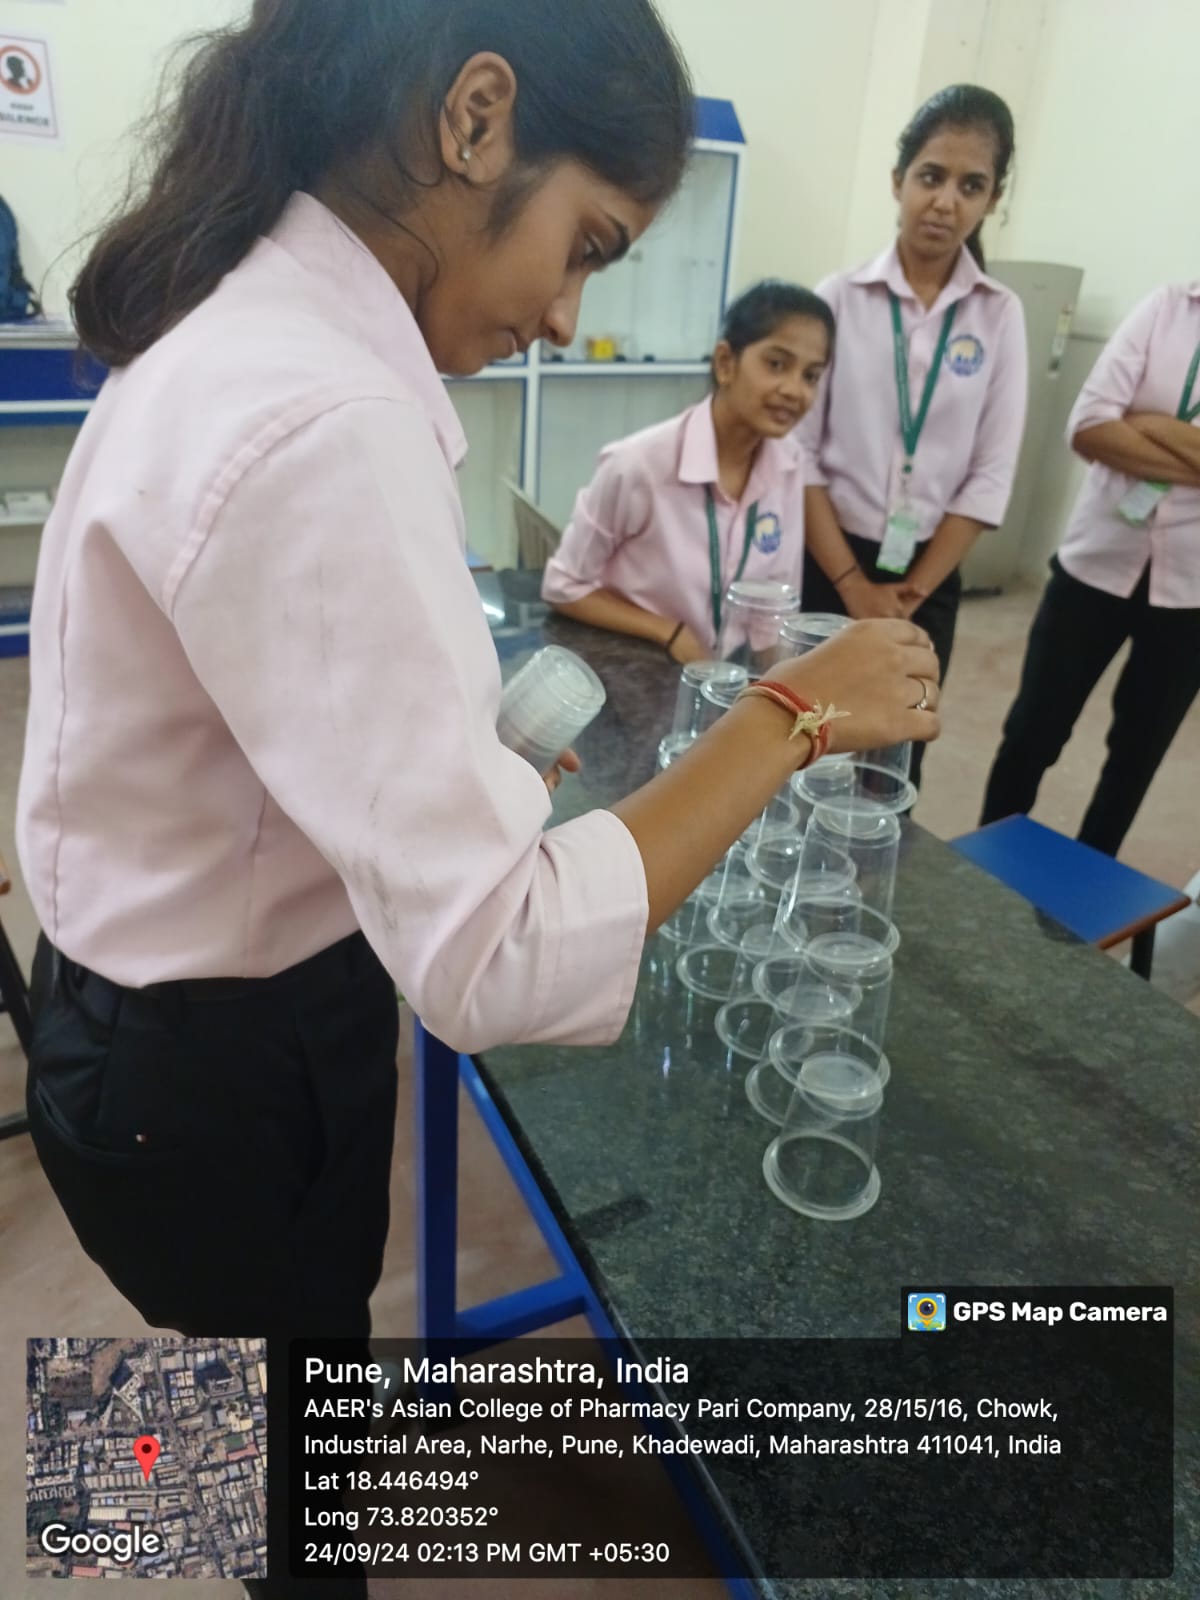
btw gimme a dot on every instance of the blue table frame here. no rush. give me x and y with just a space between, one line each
437 1072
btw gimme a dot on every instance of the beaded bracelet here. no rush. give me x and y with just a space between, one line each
809 718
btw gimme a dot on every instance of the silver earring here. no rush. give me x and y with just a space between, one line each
466 155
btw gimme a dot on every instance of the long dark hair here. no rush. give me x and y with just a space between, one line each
962 105
305 85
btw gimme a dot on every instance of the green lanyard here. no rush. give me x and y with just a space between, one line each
714 552
1187 411
910 430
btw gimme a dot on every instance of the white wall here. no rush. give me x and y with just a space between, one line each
1104 95
1109 168
797 71
107 58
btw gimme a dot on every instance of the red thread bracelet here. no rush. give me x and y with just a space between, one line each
810 719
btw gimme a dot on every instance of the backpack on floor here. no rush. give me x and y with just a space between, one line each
17 300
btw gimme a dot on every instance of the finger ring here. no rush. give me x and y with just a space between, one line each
923 703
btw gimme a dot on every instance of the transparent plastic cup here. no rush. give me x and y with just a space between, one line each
809 917
823 870
824 783
881 778
547 705
798 994
718 694
752 618
689 702
745 1025
868 836
775 856
771 1081
856 964
688 925
781 814
672 747
707 970
822 1164
742 903
808 629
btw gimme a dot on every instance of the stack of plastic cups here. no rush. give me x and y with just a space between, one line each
752 618
547 705
706 691
823 1073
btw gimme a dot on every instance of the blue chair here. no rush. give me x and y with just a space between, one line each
1100 900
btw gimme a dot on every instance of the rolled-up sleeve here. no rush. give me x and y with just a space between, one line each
984 493
1115 379
614 507
328 611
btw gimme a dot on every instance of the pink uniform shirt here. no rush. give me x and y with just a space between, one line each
264 694
967 453
640 527
1143 367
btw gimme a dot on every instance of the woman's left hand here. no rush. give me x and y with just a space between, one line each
567 762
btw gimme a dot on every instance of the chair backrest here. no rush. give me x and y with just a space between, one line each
537 536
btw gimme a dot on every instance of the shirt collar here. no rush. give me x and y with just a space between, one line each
886 269
358 293
698 461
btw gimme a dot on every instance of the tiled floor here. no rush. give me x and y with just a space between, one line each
48 1287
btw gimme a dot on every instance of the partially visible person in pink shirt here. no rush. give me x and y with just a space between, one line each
262 782
962 332
639 554
1128 569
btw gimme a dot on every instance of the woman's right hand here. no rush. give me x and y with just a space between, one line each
863 599
878 671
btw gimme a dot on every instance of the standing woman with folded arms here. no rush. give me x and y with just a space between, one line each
1128 568
918 425
262 783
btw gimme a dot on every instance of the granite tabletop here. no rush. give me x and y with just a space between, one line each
1040 1128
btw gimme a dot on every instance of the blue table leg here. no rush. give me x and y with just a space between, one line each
437 1072
436 1084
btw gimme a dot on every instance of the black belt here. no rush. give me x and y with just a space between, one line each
327 968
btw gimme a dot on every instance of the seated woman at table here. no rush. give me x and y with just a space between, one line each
1128 568
681 510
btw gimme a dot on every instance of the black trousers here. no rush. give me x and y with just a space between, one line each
938 615
222 1149
1075 635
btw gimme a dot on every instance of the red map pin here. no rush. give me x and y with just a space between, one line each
145 1452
